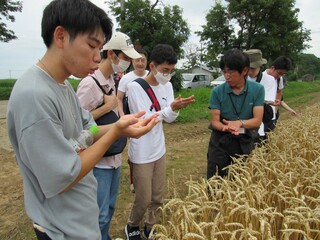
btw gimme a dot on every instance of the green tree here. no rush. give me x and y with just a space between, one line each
150 24
6 8
270 25
218 33
308 64
192 56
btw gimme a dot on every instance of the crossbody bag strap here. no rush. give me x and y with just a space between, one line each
99 85
259 77
150 93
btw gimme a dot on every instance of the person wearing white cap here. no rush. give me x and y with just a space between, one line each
121 43
139 71
116 57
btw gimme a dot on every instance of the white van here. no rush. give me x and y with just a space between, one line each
194 80
218 81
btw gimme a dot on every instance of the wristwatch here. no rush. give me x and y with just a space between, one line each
242 123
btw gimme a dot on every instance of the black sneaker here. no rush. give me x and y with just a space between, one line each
132 233
146 233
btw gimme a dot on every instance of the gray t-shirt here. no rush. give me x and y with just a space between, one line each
42 116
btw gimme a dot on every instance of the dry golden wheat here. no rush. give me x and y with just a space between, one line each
274 193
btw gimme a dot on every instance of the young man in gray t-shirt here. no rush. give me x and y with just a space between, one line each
44 114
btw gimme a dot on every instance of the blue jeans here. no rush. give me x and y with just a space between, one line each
108 185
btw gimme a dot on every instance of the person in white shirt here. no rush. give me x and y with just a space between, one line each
139 71
256 73
147 154
277 70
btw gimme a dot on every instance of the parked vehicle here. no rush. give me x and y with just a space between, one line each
194 80
218 81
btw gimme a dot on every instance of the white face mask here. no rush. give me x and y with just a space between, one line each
161 78
121 67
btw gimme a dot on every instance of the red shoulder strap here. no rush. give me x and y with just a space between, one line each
155 103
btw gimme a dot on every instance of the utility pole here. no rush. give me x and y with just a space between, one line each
201 53
122 4
122 9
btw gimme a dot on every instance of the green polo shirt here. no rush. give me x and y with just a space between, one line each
237 106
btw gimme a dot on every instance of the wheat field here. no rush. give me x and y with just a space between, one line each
274 193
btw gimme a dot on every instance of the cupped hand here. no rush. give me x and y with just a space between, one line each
181 102
132 125
232 126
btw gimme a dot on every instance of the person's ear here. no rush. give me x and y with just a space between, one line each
60 35
245 71
113 57
110 54
151 66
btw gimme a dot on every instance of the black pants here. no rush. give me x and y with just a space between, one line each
41 235
224 146
269 126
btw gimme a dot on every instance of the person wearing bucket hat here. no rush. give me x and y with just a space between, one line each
256 74
256 59
116 56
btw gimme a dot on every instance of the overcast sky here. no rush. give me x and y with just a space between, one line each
18 55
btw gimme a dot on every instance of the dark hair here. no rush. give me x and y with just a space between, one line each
234 59
163 53
142 51
104 53
282 62
76 16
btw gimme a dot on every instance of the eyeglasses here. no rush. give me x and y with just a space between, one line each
280 73
166 73
229 72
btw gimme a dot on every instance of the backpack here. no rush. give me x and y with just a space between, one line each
267 109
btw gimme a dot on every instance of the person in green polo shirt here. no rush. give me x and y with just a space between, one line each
236 113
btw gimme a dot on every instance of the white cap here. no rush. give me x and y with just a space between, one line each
121 41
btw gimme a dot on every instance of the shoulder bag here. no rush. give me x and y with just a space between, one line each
267 109
111 117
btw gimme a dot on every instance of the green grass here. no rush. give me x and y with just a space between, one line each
74 83
6 86
198 110
294 89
